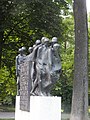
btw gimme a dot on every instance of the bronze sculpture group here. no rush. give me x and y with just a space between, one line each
45 66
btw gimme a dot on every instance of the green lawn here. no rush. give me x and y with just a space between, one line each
7 108
7 119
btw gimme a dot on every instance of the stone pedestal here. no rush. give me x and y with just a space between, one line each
41 108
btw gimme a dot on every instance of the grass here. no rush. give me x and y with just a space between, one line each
6 108
7 119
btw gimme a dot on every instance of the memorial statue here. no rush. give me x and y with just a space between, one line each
19 59
44 64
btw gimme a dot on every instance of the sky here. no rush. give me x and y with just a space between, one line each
88 5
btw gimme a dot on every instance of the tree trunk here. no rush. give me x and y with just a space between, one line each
80 84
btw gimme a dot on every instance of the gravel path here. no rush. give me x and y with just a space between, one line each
7 115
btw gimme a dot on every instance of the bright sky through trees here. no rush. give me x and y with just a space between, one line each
88 5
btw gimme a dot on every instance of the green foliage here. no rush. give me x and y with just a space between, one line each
7 86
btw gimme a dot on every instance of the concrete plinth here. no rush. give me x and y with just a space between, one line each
41 108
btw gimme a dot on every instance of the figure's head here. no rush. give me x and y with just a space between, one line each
23 48
30 49
54 40
37 42
34 46
20 51
42 39
56 46
46 41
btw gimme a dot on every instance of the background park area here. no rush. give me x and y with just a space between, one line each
23 22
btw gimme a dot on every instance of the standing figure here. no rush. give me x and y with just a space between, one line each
34 69
19 59
41 67
56 62
29 58
41 70
55 57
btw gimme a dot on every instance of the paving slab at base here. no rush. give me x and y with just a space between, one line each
41 108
